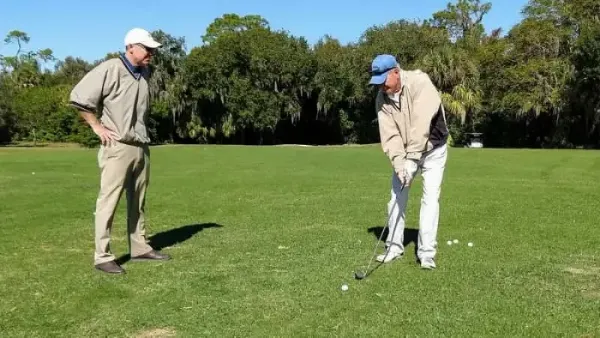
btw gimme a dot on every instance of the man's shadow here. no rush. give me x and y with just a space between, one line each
410 235
171 237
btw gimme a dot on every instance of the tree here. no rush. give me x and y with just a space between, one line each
232 23
463 21
585 58
167 86
71 70
244 83
24 67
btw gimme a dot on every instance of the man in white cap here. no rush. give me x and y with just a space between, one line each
413 132
118 90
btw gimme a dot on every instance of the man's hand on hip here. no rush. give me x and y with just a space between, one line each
107 137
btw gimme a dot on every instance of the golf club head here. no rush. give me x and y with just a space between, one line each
359 275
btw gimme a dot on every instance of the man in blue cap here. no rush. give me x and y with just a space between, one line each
413 133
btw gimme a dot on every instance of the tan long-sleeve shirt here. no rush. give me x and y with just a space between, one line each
415 123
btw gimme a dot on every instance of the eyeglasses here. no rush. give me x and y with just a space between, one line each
147 49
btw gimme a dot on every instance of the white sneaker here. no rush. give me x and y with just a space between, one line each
389 255
428 264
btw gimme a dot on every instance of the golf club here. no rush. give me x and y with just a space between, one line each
363 274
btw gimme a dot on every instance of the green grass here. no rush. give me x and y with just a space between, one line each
293 225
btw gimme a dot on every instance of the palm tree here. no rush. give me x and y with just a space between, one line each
463 102
456 76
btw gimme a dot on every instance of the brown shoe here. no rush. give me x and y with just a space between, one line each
110 267
151 256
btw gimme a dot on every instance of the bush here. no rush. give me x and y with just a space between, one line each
450 141
83 134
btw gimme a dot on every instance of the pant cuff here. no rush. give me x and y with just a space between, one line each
104 259
135 253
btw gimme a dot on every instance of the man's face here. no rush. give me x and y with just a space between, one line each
392 82
141 54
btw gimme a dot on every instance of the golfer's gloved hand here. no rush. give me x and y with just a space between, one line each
410 170
401 177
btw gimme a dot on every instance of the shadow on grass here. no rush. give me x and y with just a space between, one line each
410 236
171 237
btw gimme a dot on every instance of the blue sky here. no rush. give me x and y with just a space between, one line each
90 29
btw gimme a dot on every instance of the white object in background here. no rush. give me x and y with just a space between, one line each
475 140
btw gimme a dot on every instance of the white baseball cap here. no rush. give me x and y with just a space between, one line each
141 36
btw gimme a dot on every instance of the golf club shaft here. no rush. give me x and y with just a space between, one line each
382 232
376 246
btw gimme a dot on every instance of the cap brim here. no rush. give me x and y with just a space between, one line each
151 44
378 79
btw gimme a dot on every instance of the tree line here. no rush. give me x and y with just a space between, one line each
533 86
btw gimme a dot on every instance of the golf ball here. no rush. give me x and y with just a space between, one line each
344 287
455 241
470 244
449 242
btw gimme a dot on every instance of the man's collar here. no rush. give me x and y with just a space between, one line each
134 70
395 96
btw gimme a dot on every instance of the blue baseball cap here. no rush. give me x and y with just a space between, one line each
380 67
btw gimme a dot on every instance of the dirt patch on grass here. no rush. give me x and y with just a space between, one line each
591 294
585 276
591 289
156 333
590 271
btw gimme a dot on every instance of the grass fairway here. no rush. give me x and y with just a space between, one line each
263 238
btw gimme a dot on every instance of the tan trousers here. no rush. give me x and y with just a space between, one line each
122 167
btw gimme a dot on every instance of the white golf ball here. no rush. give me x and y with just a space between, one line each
344 287
470 244
455 241
449 242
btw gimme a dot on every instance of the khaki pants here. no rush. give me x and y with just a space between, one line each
122 167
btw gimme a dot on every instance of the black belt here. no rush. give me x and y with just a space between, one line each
134 143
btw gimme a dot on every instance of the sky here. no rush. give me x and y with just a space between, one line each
91 29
